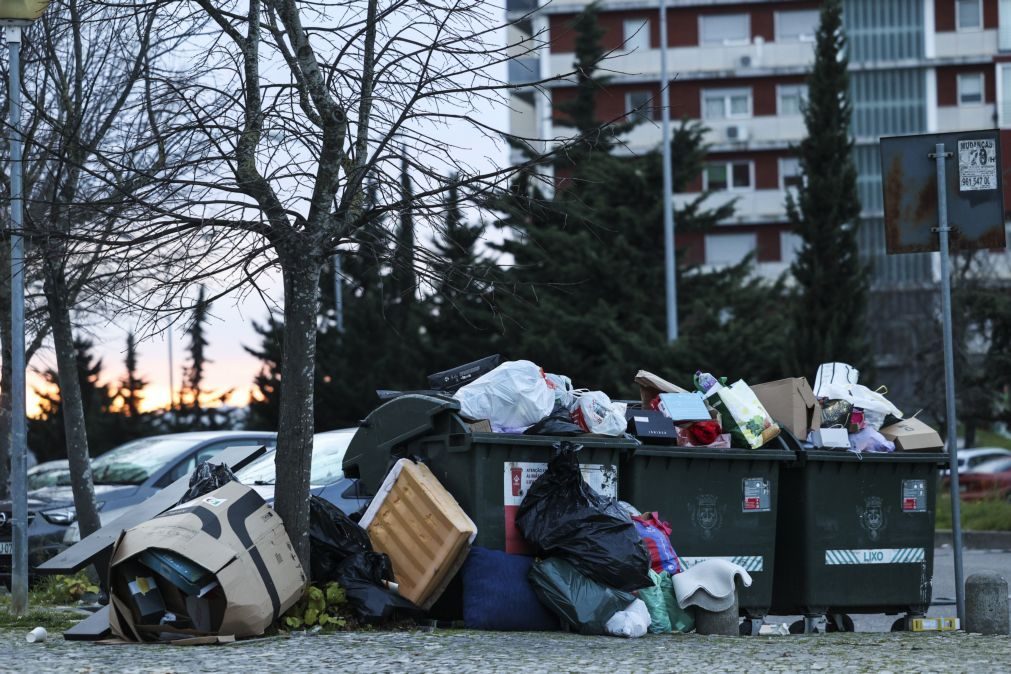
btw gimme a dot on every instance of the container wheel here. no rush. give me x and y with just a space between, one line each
797 627
899 625
839 622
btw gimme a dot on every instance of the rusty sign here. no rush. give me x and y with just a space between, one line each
975 196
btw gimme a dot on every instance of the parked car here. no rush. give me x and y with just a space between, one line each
123 477
47 474
968 459
326 475
989 480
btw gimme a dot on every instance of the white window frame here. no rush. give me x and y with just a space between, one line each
800 38
727 94
724 43
782 174
779 92
730 174
633 30
647 112
982 90
958 20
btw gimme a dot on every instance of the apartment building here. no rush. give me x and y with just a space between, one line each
917 66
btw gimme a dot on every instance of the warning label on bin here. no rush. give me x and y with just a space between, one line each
977 164
519 476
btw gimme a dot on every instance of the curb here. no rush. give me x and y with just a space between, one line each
975 540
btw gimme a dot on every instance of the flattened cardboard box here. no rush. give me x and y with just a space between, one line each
650 386
419 524
912 435
791 402
233 534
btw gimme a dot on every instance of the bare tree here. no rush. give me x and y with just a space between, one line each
301 105
90 147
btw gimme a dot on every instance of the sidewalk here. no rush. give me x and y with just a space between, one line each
527 652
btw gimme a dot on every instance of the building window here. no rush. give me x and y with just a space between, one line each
789 173
728 175
789 245
730 248
969 14
726 103
635 34
639 106
798 26
792 98
1004 104
970 88
722 29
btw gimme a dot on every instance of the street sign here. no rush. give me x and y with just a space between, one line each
974 190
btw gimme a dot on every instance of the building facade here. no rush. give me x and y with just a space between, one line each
917 66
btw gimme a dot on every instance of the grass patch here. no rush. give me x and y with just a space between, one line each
992 515
54 619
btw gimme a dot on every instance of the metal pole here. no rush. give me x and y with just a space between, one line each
338 293
940 155
668 185
19 439
171 373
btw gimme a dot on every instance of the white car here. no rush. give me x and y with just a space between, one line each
968 459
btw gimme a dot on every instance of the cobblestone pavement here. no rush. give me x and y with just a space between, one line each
447 650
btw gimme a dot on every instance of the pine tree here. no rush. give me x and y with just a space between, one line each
132 385
191 407
46 435
828 317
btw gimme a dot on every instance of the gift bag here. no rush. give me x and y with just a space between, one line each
743 414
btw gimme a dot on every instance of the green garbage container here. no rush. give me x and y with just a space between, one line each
488 473
856 534
720 503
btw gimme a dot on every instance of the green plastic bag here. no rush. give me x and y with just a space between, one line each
682 620
656 603
581 603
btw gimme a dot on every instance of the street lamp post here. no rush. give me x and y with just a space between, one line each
15 15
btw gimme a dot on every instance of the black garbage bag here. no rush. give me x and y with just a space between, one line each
559 422
362 576
562 515
333 537
580 602
206 478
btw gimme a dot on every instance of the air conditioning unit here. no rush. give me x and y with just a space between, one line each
737 133
744 61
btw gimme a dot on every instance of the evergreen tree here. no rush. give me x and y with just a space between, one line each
131 387
46 435
827 322
191 407
460 318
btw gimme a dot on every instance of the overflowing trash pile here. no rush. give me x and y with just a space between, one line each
219 565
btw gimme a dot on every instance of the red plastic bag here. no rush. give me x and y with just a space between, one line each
655 533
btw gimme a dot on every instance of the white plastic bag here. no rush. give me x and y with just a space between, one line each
860 396
595 412
513 395
834 373
631 623
561 386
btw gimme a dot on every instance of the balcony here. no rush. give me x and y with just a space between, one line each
754 206
965 118
695 62
966 43
727 134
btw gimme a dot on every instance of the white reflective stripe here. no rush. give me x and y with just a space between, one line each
751 563
875 556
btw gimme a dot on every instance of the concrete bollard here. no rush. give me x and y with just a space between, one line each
724 623
986 604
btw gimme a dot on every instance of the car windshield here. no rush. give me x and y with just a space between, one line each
136 461
993 466
328 451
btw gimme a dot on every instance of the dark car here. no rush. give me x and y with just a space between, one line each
123 477
989 480
326 476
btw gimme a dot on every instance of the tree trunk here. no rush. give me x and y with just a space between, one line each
71 403
293 458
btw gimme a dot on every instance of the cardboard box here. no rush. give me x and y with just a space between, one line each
912 435
650 386
426 533
792 404
233 535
